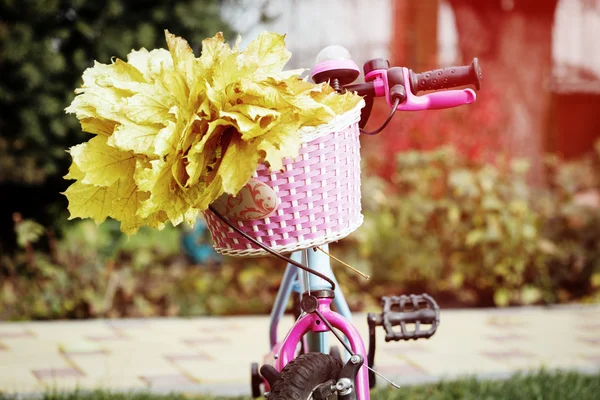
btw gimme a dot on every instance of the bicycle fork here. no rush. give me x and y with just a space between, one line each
417 316
353 380
296 282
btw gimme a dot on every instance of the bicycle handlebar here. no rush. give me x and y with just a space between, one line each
447 78
399 85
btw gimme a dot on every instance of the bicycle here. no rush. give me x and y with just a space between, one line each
302 366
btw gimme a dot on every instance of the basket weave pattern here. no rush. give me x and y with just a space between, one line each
318 194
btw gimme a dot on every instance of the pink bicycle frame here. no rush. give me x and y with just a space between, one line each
312 322
341 72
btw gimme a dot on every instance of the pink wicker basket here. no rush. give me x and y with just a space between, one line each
318 195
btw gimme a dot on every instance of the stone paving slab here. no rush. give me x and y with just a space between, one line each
213 355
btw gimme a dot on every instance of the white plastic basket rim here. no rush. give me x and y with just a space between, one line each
290 248
338 123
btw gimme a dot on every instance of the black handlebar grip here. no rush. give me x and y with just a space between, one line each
447 78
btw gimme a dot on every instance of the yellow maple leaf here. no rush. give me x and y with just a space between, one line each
212 192
120 201
74 173
101 104
266 54
166 193
150 63
98 126
89 201
238 164
281 142
251 120
135 137
148 107
100 163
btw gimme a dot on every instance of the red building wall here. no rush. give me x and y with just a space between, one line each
575 124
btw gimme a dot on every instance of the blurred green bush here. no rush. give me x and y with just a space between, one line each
471 234
478 234
98 272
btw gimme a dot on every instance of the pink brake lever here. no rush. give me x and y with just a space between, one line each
432 101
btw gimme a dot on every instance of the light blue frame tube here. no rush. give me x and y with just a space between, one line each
283 295
320 262
295 279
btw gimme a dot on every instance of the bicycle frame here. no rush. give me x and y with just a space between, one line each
294 283
310 324
399 86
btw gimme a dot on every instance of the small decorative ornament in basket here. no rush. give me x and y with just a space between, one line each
317 195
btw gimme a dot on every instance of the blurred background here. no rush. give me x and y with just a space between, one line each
494 204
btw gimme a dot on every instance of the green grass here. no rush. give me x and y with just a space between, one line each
539 386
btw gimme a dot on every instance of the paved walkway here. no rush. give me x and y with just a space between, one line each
214 354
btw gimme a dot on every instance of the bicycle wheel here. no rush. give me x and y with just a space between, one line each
303 374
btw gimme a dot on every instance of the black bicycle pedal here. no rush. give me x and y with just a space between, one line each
417 317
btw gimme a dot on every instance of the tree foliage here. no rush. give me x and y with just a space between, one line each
45 45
